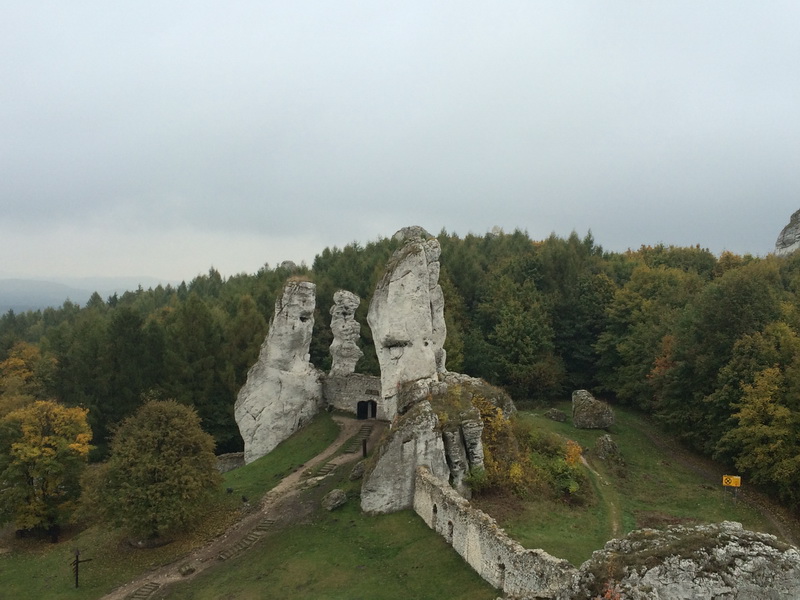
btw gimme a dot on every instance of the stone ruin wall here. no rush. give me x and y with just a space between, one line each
484 546
344 392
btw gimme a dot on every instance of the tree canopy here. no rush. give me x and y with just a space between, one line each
162 465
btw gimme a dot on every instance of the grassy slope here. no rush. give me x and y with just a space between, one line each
35 570
655 491
344 555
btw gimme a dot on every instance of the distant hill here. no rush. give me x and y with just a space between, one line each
21 295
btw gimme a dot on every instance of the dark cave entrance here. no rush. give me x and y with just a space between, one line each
367 409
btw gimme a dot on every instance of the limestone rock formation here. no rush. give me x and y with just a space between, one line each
589 413
789 239
706 561
346 333
406 316
414 441
445 423
283 390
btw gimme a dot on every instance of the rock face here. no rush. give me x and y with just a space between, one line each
346 333
406 316
283 389
589 413
789 239
414 441
441 431
707 561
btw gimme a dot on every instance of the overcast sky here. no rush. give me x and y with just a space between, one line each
161 138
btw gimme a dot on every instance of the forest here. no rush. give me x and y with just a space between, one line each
708 345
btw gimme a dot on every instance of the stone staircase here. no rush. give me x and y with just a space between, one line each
144 592
248 540
354 445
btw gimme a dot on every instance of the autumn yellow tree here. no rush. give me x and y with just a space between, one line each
21 377
43 449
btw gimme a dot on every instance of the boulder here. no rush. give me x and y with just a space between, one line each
283 390
789 239
358 471
345 352
589 413
406 316
607 449
706 561
556 415
334 499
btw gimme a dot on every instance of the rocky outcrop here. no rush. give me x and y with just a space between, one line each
789 239
345 352
706 561
283 389
406 316
334 499
413 441
445 426
589 413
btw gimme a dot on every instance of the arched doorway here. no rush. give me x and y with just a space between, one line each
367 409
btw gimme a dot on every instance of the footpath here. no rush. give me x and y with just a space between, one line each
250 528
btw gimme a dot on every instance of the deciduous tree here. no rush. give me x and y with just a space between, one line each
162 466
43 449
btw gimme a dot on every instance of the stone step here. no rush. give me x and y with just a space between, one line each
264 525
354 445
248 540
147 590
327 468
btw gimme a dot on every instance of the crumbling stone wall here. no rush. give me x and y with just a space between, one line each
344 392
497 558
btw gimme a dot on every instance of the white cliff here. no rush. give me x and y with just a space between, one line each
406 316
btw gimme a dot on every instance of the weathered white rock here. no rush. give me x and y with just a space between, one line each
414 441
706 561
406 315
346 333
789 239
283 390
590 413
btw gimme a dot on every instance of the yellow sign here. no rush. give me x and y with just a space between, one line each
731 481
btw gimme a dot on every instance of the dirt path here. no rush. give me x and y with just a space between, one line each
604 488
249 525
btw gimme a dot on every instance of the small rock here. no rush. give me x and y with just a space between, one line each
556 415
358 471
334 499
607 449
